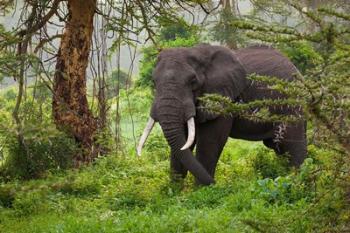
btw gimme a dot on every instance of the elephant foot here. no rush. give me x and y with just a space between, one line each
177 177
199 184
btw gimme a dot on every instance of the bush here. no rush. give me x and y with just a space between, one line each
302 54
268 165
83 185
42 146
7 196
29 203
291 188
48 151
156 144
10 94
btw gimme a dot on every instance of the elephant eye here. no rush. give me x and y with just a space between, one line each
194 82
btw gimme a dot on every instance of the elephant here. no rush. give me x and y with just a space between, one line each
182 75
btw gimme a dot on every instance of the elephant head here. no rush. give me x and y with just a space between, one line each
182 75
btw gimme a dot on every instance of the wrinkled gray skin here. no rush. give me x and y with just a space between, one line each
184 74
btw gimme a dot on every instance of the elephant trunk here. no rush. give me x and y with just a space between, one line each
174 132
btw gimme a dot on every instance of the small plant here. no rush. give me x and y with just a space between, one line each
290 188
29 203
268 165
78 186
158 144
7 196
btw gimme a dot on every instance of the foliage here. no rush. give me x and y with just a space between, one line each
135 195
217 104
171 30
52 150
317 41
227 33
324 89
119 79
267 164
325 86
46 147
8 59
302 54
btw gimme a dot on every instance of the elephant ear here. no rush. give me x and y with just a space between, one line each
224 75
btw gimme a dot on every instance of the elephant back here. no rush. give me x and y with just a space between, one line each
266 61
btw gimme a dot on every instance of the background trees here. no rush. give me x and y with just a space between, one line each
42 24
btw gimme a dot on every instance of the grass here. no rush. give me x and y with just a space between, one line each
129 194
255 191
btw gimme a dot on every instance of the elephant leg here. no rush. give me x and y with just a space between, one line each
294 143
297 152
211 139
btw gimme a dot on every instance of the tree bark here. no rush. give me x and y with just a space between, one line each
70 106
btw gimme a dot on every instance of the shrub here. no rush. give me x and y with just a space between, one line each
10 94
291 188
157 145
171 31
7 196
302 54
267 164
29 203
43 151
81 185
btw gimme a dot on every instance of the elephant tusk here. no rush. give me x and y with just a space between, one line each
145 134
191 134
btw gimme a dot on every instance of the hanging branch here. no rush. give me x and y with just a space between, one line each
133 57
22 48
46 40
33 28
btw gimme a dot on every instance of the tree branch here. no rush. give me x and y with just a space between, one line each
28 31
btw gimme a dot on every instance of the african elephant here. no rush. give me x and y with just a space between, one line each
182 75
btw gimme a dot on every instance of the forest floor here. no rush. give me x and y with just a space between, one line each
130 194
254 192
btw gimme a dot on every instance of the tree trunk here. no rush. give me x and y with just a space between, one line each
229 9
70 106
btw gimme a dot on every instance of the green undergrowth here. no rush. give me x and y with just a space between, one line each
255 192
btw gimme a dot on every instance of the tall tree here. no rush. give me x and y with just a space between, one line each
70 106
223 31
229 12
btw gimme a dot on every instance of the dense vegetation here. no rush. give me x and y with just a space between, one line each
45 186
254 192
